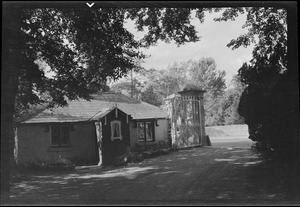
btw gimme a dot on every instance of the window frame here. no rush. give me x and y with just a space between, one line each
61 135
113 123
144 140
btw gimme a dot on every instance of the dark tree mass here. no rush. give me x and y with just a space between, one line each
269 102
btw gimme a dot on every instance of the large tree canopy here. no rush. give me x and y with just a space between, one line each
84 47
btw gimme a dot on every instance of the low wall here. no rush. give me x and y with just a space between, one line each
228 130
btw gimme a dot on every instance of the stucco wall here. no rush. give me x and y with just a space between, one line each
161 133
34 142
133 135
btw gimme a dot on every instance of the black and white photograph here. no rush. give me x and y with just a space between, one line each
150 103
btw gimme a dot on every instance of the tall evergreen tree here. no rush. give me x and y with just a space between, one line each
269 103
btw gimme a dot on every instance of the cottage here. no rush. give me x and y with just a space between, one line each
91 132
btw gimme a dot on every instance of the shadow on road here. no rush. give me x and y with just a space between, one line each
204 175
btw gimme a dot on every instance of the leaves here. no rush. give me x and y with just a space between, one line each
230 14
83 47
165 24
160 84
151 97
129 88
267 30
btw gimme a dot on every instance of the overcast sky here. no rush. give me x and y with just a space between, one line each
214 38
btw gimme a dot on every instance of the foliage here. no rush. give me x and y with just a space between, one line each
129 88
165 24
166 82
267 103
151 86
65 58
229 104
59 164
63 39
66 41
150 96
142 153
203 74
159 84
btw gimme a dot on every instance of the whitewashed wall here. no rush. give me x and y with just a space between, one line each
161 133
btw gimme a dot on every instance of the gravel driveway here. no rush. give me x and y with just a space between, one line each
206 175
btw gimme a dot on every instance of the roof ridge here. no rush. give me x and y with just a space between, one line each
118 97
104 109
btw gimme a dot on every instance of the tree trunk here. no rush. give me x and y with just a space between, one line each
9 85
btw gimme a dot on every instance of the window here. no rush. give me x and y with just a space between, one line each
60 135
115 130
145 131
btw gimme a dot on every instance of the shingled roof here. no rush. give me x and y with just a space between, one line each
83 110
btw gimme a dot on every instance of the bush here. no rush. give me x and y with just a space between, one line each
262 149
128 157
135 157
139 157
59 164
149 153
141 153
121 160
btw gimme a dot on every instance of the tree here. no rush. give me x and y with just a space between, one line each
230 102
166 82
269 102
129 88
150 96
82 47
201 74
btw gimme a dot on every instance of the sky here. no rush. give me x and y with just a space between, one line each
214 38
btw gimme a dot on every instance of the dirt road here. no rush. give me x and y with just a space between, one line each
196 176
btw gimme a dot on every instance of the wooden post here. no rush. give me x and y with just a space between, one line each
200 124
99 140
